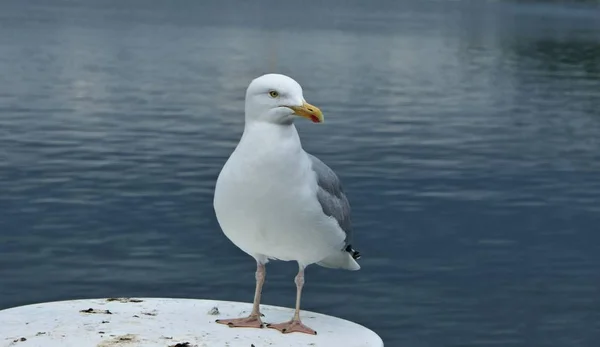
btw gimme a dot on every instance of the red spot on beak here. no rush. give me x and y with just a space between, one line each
314 119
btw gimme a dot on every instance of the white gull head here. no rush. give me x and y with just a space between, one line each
278 99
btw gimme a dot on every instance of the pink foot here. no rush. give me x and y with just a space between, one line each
248 322
291 327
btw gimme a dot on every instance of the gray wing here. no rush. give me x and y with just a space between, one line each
332 198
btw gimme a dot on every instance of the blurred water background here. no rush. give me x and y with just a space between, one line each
467 134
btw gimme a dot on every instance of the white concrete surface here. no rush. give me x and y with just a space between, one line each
151 322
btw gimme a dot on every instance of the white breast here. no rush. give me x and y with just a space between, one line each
265 199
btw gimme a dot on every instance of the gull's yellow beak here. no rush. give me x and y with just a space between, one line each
309 111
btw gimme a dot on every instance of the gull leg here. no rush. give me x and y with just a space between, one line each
295 325
252 321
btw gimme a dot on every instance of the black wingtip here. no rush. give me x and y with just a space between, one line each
354 253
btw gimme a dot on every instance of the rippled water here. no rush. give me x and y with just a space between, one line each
467 134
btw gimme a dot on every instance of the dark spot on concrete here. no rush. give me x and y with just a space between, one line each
150 313
40 333
136 316
105 321
91 310
22 339
124 300
123 340
181 344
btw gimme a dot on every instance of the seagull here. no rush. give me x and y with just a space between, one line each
275 201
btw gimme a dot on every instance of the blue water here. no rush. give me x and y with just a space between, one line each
467 135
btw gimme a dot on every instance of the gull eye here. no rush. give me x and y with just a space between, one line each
273 94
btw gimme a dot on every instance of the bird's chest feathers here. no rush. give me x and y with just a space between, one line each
276 171
274 161
268 182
